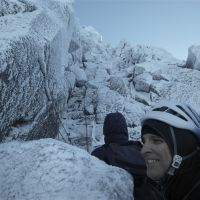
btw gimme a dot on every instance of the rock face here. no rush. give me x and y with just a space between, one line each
34 41
193 59
53 170
125 79
12 7
59 79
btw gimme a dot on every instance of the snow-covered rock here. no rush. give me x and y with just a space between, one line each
143 97
133 112
92 43
51 170
73 77
117 84
157 75
182 86
34 41
12 7
128 82
143 82
138 70
80 75
193 59
141 53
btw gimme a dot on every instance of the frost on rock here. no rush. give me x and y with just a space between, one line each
143 98
138 69
49 169
54 70
183 86
12 7
117 84
79 74
93 45
128 55
193 59
125 79
90 38
133 112
143 82
157 75
108 101
35 37
75 48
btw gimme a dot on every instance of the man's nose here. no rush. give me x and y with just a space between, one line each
146 148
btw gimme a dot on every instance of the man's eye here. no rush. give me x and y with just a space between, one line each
157 141
142 141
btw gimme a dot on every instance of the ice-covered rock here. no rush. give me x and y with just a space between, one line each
80 75
92 43
133 112
138 69
143 82
193 59
117 84
141 53
143 98
128 82
34 41
75 48
53 170
53 70
12 7
182 86
157 75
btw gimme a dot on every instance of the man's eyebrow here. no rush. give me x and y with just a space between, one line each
156 136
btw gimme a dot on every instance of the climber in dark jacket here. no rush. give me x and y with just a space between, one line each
119 151
171 139
116 137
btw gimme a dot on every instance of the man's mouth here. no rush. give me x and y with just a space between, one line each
150 162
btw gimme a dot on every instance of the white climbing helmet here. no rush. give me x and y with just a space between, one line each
177 115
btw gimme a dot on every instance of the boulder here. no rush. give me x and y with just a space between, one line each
80 75
138 70
117 84
53 170
193 59
143 82
35 38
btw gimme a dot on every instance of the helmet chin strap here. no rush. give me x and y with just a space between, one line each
177 159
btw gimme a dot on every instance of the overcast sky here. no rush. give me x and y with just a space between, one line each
170 24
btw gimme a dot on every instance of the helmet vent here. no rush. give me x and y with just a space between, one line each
184 111
176 114
162 109
196 117
193 116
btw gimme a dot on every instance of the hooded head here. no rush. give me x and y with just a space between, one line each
115 129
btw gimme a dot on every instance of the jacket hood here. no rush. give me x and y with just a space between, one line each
115 128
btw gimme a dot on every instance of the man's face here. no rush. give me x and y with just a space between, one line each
157 156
